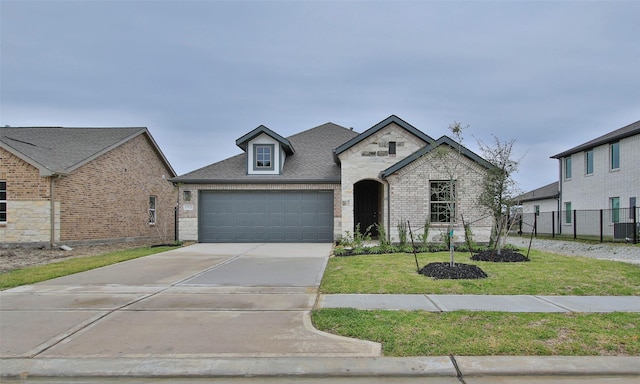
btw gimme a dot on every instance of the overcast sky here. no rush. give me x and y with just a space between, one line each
200 74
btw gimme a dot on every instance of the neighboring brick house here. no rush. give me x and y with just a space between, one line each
318 185
81 185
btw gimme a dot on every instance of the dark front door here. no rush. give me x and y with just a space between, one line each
367 206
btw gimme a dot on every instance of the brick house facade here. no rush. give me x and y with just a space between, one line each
381 176
82 185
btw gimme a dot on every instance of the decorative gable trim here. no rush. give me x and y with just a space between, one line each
284 143
444 140
391 119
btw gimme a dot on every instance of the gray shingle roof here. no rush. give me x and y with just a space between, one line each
618 134
550 191
444 140
59 150
312 161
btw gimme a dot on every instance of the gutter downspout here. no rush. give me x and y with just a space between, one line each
388 208
560 198
53 210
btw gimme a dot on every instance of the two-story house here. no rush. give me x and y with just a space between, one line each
603 173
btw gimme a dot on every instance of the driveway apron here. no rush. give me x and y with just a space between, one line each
205 300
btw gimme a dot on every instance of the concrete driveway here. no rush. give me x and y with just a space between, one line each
205 300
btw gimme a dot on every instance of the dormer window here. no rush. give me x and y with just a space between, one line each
266 151
263 157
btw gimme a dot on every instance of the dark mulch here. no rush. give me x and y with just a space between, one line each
458 271
505 256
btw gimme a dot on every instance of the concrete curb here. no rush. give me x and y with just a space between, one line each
548 365
229 367
436 366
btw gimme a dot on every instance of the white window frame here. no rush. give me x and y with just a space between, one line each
3 201
614 154
568 171
588 161
568 213
614 205
153 209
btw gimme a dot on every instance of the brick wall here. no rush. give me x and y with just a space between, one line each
107 198
28 202
410 195
188 210
23 180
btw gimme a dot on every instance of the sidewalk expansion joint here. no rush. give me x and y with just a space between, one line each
230 260
434 303
555 304
458 371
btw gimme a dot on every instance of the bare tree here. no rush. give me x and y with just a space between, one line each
499 187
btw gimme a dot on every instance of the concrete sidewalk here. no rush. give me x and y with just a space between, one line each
237 310
498 303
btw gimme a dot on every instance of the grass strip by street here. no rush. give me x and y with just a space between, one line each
414 333
40 273
545 274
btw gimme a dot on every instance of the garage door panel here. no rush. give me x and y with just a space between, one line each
265 216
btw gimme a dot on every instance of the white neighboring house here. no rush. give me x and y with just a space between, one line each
543 199
603 173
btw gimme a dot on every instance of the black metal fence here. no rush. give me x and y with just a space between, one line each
610 225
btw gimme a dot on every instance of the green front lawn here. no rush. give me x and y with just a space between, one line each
545 274
40 273
420 333
465 333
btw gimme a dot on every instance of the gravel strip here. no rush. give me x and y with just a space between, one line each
617 252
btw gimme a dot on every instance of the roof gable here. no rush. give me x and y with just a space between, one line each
59 150
244 140
618 134
444 140
391 119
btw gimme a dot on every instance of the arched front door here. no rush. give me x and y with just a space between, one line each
367 206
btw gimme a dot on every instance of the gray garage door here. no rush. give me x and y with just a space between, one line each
265 216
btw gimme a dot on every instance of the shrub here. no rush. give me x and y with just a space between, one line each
382 236
402 233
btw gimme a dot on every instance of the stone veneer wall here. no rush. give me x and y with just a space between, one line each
188 210
28 203
365 161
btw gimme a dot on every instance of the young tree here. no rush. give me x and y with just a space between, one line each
499 187
450 161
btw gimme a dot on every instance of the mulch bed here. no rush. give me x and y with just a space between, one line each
458 271
505 256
